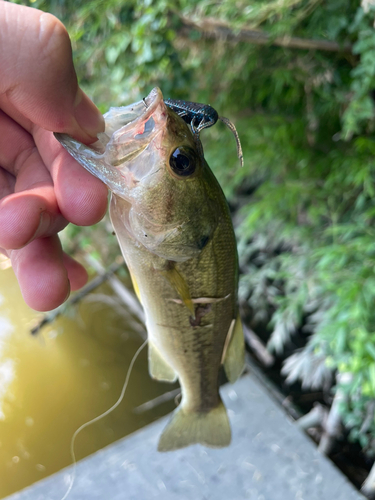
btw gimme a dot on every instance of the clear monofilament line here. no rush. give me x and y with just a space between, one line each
99 417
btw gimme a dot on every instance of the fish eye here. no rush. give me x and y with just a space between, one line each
183 161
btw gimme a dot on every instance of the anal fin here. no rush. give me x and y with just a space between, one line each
234 351
158 368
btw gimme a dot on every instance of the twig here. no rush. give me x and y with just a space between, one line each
314 418
121 310
259 349
332 426
368 487
215 29
125 295
163 398
369 418
73 299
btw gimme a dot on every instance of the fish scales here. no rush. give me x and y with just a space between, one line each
169 327
174 229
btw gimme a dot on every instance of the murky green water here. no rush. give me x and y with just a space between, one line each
52 383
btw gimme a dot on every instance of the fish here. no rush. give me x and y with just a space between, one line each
174 228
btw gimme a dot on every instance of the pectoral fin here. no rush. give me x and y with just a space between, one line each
158 368
234 351
181 287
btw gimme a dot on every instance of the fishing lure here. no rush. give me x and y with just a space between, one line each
200 116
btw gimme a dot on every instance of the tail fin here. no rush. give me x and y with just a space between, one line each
210 429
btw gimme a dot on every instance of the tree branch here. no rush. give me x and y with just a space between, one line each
332 426
214 29
163 398
368 487
49 317
125 295
315 418
257 346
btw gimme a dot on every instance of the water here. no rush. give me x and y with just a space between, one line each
52 383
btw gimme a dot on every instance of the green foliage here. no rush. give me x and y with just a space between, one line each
304 201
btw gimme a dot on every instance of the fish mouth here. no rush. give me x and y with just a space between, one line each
128 129
128 132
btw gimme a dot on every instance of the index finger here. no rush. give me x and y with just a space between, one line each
38 82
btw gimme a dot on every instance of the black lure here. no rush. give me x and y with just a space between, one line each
195 114
200 116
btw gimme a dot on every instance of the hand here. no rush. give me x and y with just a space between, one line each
41 187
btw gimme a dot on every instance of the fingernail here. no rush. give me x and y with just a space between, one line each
67 295
87 115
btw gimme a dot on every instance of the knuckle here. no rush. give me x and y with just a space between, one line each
23 157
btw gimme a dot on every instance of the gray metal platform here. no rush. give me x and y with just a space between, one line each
269 459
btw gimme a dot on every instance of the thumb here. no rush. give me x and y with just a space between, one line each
38 81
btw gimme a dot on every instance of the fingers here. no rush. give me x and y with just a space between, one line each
41 274
49 96
36 207
77 274
7 183
26 217
82 198
32 211
41 186
45 274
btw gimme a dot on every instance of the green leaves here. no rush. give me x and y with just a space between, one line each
359 115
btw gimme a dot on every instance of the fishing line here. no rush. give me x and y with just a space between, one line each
99 417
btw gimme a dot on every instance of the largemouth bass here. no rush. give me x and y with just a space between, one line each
175 232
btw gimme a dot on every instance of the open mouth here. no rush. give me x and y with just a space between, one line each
133 117
128 129
128 132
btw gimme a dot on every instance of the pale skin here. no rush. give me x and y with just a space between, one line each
41 187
